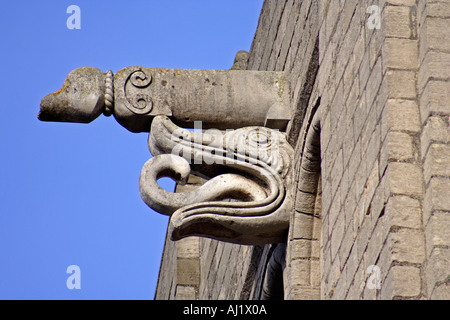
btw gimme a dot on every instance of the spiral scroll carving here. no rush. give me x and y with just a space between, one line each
139 102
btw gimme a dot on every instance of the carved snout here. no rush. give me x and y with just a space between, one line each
81 98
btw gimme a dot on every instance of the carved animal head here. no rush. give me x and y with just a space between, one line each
81 99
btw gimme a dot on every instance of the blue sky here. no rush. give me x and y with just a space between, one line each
69 192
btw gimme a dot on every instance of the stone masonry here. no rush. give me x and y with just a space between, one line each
380 206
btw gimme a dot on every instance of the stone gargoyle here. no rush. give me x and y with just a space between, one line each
241 151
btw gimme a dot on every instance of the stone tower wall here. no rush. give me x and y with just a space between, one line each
373 221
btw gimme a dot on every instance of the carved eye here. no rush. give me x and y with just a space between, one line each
259 138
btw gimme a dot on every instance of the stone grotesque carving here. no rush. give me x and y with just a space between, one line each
247 197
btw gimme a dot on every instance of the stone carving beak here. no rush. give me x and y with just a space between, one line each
80 100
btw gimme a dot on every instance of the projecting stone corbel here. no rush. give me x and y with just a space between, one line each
247 197
221 99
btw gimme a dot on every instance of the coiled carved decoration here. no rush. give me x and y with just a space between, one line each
139 102
245 198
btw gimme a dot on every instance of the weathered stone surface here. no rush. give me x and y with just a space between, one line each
240 60
405 282
221 99
405 212
359 70
81 98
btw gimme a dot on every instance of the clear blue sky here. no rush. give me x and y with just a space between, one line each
69 192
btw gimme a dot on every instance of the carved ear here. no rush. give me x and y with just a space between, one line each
81 98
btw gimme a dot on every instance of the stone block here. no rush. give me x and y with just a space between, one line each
436 130
435 99
400 146
305 202
434 66
437 161
185 293
405 178
301 269
433 36
437 196
401 84
303 226
188 248
397 21
405 282
305 293
188 272
404 212
407 245
438 9
403 115
437 230
305 248
401 53
436 270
